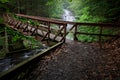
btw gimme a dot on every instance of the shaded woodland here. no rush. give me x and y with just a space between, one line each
105 11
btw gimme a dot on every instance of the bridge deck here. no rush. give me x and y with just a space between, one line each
77 61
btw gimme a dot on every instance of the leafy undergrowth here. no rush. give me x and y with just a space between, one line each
114 44
113 54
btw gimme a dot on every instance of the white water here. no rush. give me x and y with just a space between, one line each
68 16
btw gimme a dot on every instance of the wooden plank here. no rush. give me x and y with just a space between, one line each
75 38
26 28
58 33
33 31
68 22
19 22
42 19
106 35
65 31
16 24
11 21
49 30
44 36
36 34
43 28
23 65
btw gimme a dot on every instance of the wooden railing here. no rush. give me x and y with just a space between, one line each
47 30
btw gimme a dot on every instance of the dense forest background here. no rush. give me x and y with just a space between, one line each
84 10
105 11
97 10
44 8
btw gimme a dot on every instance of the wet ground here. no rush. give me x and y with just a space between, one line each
78 61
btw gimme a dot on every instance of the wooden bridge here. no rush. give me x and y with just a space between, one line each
55 30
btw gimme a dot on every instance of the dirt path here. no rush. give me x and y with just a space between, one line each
78 61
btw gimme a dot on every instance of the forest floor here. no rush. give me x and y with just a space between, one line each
79 61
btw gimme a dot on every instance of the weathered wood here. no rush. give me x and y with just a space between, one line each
75 37
18 26
45 29
106 35
24 65
11 21
65 31
44 36
58 33
36 32
49 30
26 28
19 22
42 19
68 22
33 31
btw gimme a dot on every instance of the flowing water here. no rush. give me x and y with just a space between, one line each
10 61
68 16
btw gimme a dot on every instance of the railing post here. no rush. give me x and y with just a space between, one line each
100 37
36 32
49 30
65 31
75 31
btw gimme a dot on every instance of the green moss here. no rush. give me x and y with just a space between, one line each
2 54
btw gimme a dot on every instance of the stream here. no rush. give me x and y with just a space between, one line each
14 59
68 16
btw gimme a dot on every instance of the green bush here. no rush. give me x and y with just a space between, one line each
95 30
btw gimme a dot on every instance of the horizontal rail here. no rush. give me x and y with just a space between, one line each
42 19
68 22
7 75
97 34
64 31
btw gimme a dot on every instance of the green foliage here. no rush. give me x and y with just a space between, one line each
3 6
95 30
1 20
103 10
88 38
88 29
44 8
4 1
95 11
29 41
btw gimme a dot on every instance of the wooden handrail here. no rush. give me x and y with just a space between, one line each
42 19
64 30
55 21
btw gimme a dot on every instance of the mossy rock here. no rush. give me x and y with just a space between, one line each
32 44
17 45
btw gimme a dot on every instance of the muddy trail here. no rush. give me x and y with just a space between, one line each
78 61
